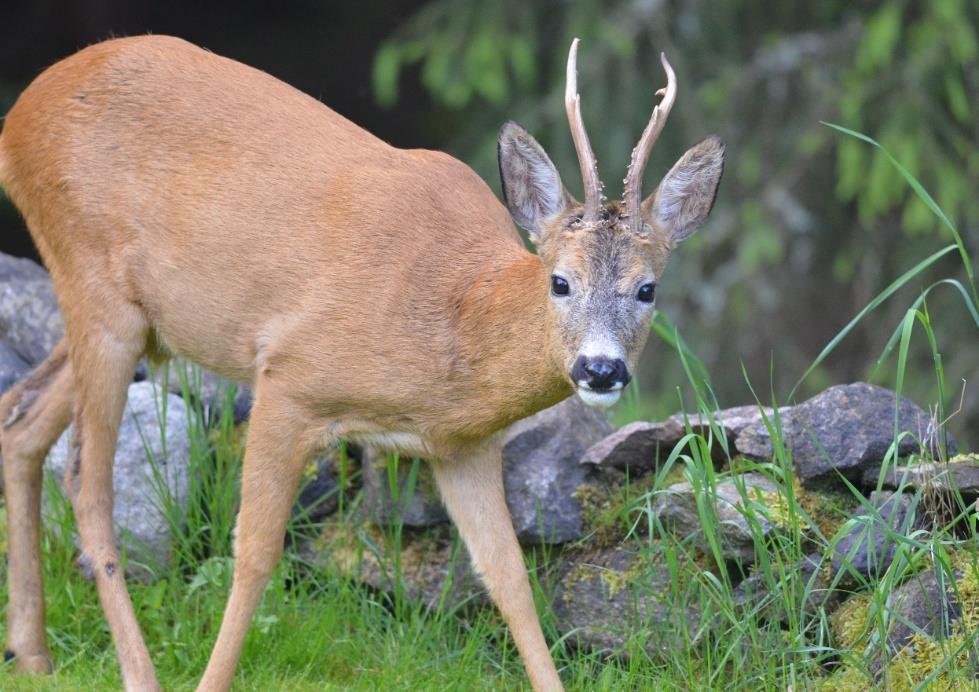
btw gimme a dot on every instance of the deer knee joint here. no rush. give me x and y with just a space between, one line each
21 397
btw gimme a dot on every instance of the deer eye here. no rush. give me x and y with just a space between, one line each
647 292
559 286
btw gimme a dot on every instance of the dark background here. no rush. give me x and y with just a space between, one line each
809 226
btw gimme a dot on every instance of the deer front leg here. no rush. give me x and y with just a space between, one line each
472 490
274 456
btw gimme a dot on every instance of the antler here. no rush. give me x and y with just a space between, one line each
632 196
586 159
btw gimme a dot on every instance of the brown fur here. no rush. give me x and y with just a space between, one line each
187 204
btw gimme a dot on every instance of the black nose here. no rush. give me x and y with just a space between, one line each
600 374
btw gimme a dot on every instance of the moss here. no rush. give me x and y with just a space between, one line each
603 508
777 509
923 656
846 680
850 622
600 515
965 564
925 460
606 508
616 581
827 509
613 580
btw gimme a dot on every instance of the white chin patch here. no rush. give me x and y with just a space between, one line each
599 399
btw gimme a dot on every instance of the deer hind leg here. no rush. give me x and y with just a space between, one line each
33 414
105 347
471 485
275 452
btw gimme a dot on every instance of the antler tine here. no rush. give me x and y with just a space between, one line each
586 158
632 196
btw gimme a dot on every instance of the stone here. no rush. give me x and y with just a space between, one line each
813 588
418 507
207 388
869 544
637 446
960 475
616 598
846 430
319 494
541 471
676 508
142 490
29 317
432 566
923 603
12 367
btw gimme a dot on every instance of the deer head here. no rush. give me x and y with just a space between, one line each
605 259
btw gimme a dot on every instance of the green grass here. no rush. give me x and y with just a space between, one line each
318 629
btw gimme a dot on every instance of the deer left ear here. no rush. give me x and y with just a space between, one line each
683 200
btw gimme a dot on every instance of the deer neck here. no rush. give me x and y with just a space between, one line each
507 342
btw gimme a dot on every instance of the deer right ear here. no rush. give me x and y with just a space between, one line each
532 188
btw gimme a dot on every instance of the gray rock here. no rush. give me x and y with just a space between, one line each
319 494
206 387
637 446
12 367
869 544
845 429
29 317
418 506
615 598
676 508
140 522
926 602
960 475
541 470
806 578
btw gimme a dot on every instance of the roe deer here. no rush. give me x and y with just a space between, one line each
187 204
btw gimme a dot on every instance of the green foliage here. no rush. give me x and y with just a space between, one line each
914 82
466 51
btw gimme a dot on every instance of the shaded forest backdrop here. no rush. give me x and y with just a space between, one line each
809 226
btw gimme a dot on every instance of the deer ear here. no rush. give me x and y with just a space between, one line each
532 188
684 198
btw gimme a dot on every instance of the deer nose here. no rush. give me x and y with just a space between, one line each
600 374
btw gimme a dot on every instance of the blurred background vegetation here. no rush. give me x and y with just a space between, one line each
809 225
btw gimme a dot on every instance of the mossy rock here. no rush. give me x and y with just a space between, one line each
429 566
619 601
924 631
747 509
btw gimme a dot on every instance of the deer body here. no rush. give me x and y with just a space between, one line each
187 204
151 171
